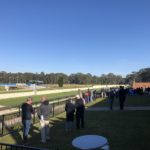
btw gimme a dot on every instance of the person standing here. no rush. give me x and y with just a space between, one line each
44 112
122 97
70 109
89 95
27 111
111 97
79 105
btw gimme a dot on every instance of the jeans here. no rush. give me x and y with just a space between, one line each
26 128
45 130
111 101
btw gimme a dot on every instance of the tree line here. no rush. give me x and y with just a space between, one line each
142 75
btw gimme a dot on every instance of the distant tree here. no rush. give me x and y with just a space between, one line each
111 78
60 82
143 75
95 80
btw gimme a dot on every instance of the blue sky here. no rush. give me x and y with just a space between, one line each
69 36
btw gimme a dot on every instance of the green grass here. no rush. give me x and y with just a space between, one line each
18 101
136 100
125 130
49 87
15 91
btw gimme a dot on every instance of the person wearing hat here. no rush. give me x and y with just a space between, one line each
79 105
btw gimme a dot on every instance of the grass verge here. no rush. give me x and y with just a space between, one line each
125 130
20 100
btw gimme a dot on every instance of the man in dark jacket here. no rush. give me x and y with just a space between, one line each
27 111
111 97
70 109
44 112
79 105
122 97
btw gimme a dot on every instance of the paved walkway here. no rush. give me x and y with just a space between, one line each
117 108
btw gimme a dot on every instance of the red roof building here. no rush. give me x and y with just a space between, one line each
141 84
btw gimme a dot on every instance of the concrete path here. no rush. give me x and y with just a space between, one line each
117 108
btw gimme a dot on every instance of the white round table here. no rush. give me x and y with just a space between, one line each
87 142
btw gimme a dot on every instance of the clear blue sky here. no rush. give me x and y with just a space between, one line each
69 36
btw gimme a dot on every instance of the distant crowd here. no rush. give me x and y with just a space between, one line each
44 111
139 91
74 109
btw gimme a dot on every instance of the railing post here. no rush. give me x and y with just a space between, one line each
53 109
13 118
18 147
2 125
34 117
19 110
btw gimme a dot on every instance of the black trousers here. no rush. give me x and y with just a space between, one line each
121 103
80 121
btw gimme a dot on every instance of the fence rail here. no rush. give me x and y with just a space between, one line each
11 122
5 146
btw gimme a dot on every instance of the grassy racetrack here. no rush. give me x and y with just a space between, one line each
20 100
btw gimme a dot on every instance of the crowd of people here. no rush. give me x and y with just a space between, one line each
122 93
74 109
44 111
139 91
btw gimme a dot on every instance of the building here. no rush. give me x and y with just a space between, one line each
35 82
141 84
